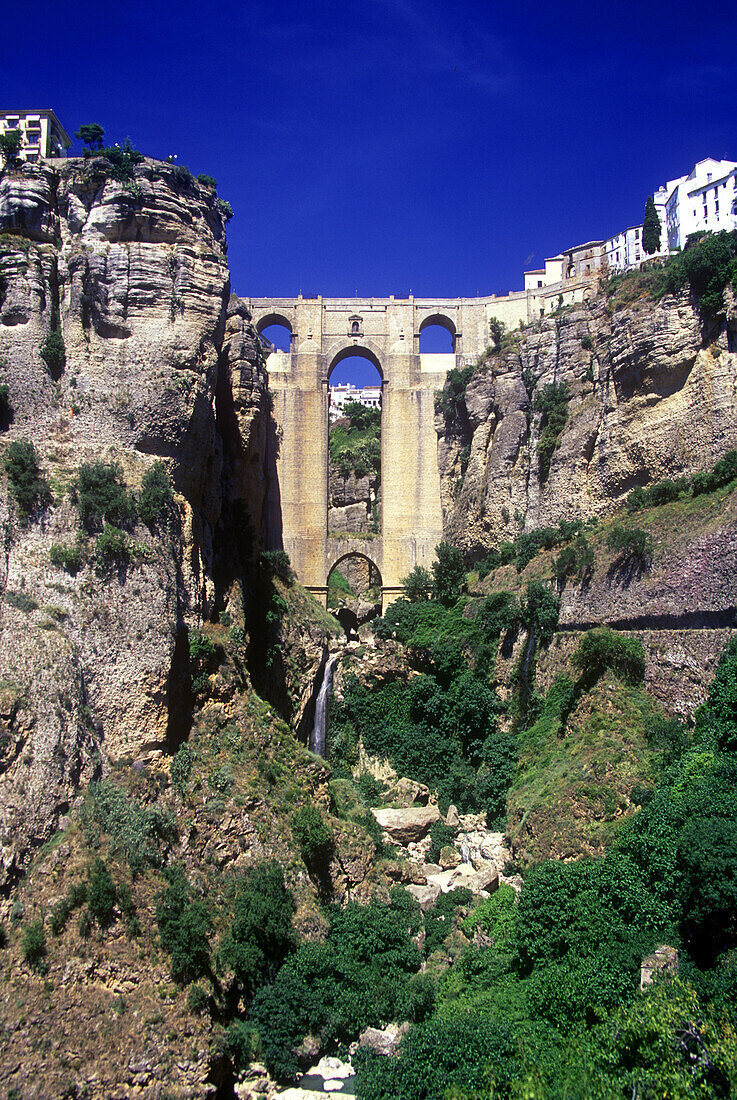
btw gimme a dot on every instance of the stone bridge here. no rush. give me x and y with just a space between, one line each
386 331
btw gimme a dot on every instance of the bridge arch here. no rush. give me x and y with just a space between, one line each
275 320
365 350
353 554
438 320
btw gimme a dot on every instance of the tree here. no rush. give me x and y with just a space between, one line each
418 584
26 482
651 228
91 134
10 143
449 573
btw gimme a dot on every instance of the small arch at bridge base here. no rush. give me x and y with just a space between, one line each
389 594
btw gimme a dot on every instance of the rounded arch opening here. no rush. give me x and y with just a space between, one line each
354 445
354 591
437 335
275 332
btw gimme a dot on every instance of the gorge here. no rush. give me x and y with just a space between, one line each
193 903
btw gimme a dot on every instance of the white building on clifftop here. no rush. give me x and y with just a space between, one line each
42 135
702 201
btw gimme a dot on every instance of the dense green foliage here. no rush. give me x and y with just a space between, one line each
91 134
155 497
141 833
449 573
67 557
602 649
10 143
356 446
633 546
418 584
576 559
34 944
122 160
450 402
722 473
27 484
260 936
708 265
6 409
651 228
53 353
527 545
314 837
100 495
113 547
184 927
552 404
361 976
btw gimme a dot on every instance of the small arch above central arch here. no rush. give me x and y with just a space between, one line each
276 330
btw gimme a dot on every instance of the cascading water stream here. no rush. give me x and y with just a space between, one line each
317 741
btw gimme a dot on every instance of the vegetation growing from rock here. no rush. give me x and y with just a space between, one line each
651 229
26 482
100 495
155 497
356 447
552 404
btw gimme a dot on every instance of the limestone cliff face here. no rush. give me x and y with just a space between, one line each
652 396
157 367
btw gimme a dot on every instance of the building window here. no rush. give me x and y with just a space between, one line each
539 282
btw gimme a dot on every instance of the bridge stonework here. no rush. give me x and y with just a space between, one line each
386 331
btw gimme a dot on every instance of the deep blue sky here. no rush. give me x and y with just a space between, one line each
395 145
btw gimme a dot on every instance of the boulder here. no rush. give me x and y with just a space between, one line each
451 818
449 857
426 895
409 825
486 878
386 1041
410 793
664 960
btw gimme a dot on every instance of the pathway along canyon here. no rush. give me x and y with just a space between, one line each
192 902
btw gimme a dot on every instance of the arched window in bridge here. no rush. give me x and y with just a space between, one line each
276 337
437 336
354 592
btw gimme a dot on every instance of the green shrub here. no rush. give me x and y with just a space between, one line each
112 548
225 209
155 497
6 409
602 649
441 835
540 609
100 496
101 894
499 613
277 564
197 999
418 584
552 404
180 768
21 601
58 916
314 837
260 936
495 917
184 925
207 181
10 143
67 557
449 573
141 833
122 160
574 560
451 400
34 944
54 354
708 265
722 473
632 545
27 484
440 920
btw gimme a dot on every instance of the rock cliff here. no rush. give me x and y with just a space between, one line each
652 395
158 365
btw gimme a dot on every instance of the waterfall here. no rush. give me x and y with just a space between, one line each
317 741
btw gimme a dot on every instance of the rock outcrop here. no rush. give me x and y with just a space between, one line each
157 366
652 396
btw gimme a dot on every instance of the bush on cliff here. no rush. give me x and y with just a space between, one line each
155 497
6 409
552 404
53 353
27 484
260 935
602 649
184 926
633 546
101 496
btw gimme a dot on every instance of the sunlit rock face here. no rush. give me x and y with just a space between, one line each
134 276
